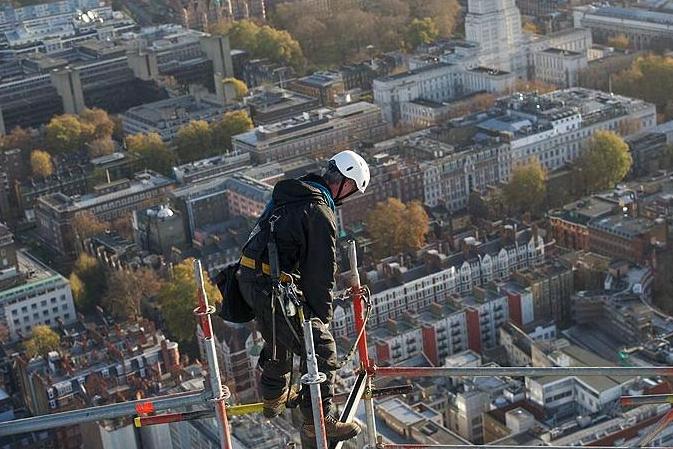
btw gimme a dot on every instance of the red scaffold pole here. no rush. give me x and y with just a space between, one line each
363 352
220 392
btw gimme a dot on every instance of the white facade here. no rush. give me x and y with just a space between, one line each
559 67
43 300
496 25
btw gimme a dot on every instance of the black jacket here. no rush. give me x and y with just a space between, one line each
306 239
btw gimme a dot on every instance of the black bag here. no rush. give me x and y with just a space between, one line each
234 308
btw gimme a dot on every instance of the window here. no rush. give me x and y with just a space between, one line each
15 312
43 303
53 300
24 309
33 306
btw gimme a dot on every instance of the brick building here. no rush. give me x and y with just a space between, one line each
626 238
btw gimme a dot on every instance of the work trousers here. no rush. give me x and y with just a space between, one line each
256 290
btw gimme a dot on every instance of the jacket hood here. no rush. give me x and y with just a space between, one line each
295 190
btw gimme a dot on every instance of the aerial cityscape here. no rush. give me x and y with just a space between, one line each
380 224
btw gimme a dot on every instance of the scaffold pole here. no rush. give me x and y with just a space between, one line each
220 392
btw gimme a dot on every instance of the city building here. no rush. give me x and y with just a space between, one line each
551 286
626 237
645 28
648 151
271 104
166 117
322 131
31 293
559 67
325 86
159 229
56 212
95 364
569 226
541 8
211 167
53 27
12 170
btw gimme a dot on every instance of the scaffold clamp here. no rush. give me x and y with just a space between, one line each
310 379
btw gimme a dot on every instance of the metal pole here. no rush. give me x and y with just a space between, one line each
220 392
122 409
313 378
524 371
363 351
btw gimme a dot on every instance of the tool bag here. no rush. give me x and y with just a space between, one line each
234 308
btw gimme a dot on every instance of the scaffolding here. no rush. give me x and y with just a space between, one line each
213 398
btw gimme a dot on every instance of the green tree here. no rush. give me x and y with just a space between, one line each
155 153
43 341
64 134
239 87
526 189
178 298
93 282
41 164
231 124
130 288
395 227
194 141
604 163
422 31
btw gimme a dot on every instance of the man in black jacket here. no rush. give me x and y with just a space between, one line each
304 223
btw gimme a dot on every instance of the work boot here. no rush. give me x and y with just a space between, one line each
334 429
274 407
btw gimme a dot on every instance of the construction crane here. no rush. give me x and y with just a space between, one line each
147 412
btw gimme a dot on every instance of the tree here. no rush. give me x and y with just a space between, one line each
231 124
526 189
194 141
18 138
396 227
533 86
155 153
91 280
178 299
41 164
101 147
239 86
604 163
43 341
64 134
130 288
421 31
531 27
620 41
86 224
649 78
100 124
446 13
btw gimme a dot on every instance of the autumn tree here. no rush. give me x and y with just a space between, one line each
231 124
526 189
178 299
101 147
41 164
649 78
535 86
421 31
604 163
194 141
64 134
239 87
130 288
17 138
155 153
531 27
620 41
90 281
263 41
396 227
86 224
100 123
43 341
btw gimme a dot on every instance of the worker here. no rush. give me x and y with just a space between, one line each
304 228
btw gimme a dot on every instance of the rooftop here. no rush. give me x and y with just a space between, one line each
187 107
561 52
624 226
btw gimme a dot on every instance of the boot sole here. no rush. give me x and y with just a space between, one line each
349 436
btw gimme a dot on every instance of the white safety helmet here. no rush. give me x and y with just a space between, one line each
353 166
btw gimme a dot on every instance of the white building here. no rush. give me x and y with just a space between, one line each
496 25
44 298
559 67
